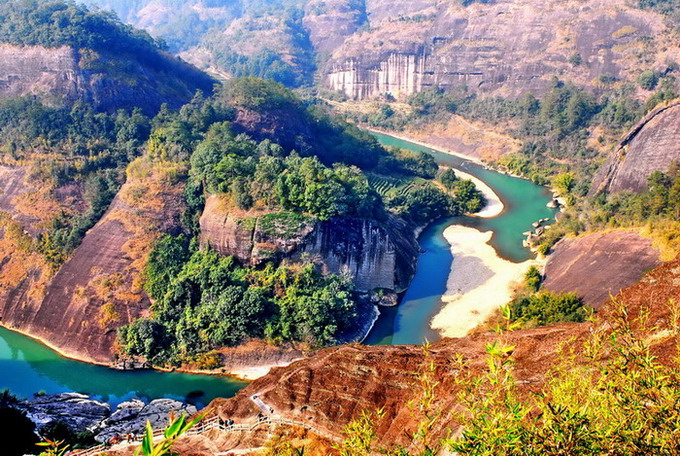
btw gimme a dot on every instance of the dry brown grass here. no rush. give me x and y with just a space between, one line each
19 261
39 204
152 192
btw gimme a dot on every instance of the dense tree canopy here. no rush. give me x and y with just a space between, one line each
211 302
55 23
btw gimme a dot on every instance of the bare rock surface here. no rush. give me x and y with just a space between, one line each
131 417
376 255
66 318
62 75
77 411
13 185
82 413
652 145
78 309
599 265
507 47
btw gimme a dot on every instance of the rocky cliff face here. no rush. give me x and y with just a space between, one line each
64 75
376 255
78 308
36 70
367 48
330 22
652 145
399 75
507 47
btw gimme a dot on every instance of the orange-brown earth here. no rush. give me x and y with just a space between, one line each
336 385
599 265
98 289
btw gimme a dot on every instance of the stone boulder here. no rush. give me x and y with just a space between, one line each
78 411
131 417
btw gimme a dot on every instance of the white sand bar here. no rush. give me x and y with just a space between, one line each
479 283
255 372
494 206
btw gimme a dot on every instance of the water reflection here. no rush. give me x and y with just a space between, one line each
27 367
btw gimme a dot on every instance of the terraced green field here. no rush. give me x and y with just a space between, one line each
387 186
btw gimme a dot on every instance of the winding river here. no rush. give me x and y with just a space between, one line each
27 366
524 203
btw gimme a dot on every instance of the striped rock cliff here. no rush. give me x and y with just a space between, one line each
652 145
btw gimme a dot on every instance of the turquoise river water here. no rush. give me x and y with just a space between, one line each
524 203
27 366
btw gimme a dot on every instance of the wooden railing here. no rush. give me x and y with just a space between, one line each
209 424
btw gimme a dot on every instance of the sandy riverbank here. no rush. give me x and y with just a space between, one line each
254 372
494 206
424 144
479 283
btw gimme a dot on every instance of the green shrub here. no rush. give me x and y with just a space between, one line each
545 308
209 302
648 80
533 279
448 178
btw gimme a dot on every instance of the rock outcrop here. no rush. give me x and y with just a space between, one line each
77 411
375 254
81 413
98 289
131 417
507 47
599 265
652 145
368 48
65 75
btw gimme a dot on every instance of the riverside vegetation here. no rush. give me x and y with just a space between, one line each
196 148
558 149
284 303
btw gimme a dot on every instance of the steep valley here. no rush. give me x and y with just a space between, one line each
375 47
265 232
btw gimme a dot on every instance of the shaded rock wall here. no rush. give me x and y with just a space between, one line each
599 265
652 145
507 47
64 75
376 255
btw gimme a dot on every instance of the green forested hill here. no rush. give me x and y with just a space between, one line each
66 53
